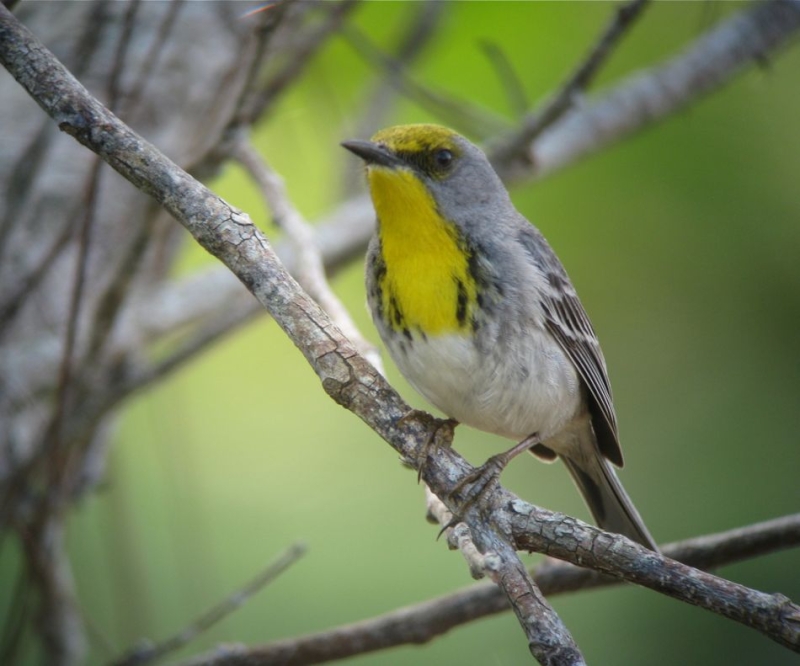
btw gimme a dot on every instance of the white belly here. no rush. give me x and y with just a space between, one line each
523 389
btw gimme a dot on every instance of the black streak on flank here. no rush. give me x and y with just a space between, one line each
378 269
461 303
395 314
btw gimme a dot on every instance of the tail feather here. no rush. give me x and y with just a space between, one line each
607 499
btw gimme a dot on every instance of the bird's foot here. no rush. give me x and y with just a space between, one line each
483 480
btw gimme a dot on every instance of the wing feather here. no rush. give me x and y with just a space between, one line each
568 323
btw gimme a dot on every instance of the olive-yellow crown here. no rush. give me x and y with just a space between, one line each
431 149
456 173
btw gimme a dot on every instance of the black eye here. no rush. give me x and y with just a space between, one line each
443 158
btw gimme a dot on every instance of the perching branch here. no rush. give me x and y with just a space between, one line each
310 270
489 553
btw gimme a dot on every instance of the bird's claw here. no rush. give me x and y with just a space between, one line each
474 487
440 433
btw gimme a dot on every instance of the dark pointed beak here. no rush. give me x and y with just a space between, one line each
373 153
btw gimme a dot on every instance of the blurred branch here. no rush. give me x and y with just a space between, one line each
292 61
417 35
644 99
507 75
470 118
514 147
421 623
148 653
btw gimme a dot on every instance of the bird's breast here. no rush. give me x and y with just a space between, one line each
512 388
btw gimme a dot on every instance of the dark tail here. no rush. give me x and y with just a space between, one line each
607 499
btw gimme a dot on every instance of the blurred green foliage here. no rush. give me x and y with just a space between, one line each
683 243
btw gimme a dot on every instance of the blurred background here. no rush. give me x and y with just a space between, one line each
683 244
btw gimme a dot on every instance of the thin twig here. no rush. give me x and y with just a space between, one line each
469 118
134 93
145 654
54 452
293 56
514 147
422 622
29 281
422 28
310 269
212 331
507 75
652 94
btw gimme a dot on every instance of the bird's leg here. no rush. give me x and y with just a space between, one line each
485 478
440 433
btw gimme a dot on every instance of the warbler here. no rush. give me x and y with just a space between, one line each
480 317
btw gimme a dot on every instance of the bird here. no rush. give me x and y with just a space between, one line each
481 318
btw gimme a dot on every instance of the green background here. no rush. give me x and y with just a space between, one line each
683 243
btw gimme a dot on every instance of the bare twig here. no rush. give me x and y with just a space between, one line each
458 536
507 75
25 284
470 118
148 653
513 148
420 623
310 270
134 94
54 442
417 35
653 94
145 374
292 61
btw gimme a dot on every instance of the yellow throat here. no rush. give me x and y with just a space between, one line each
428 285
